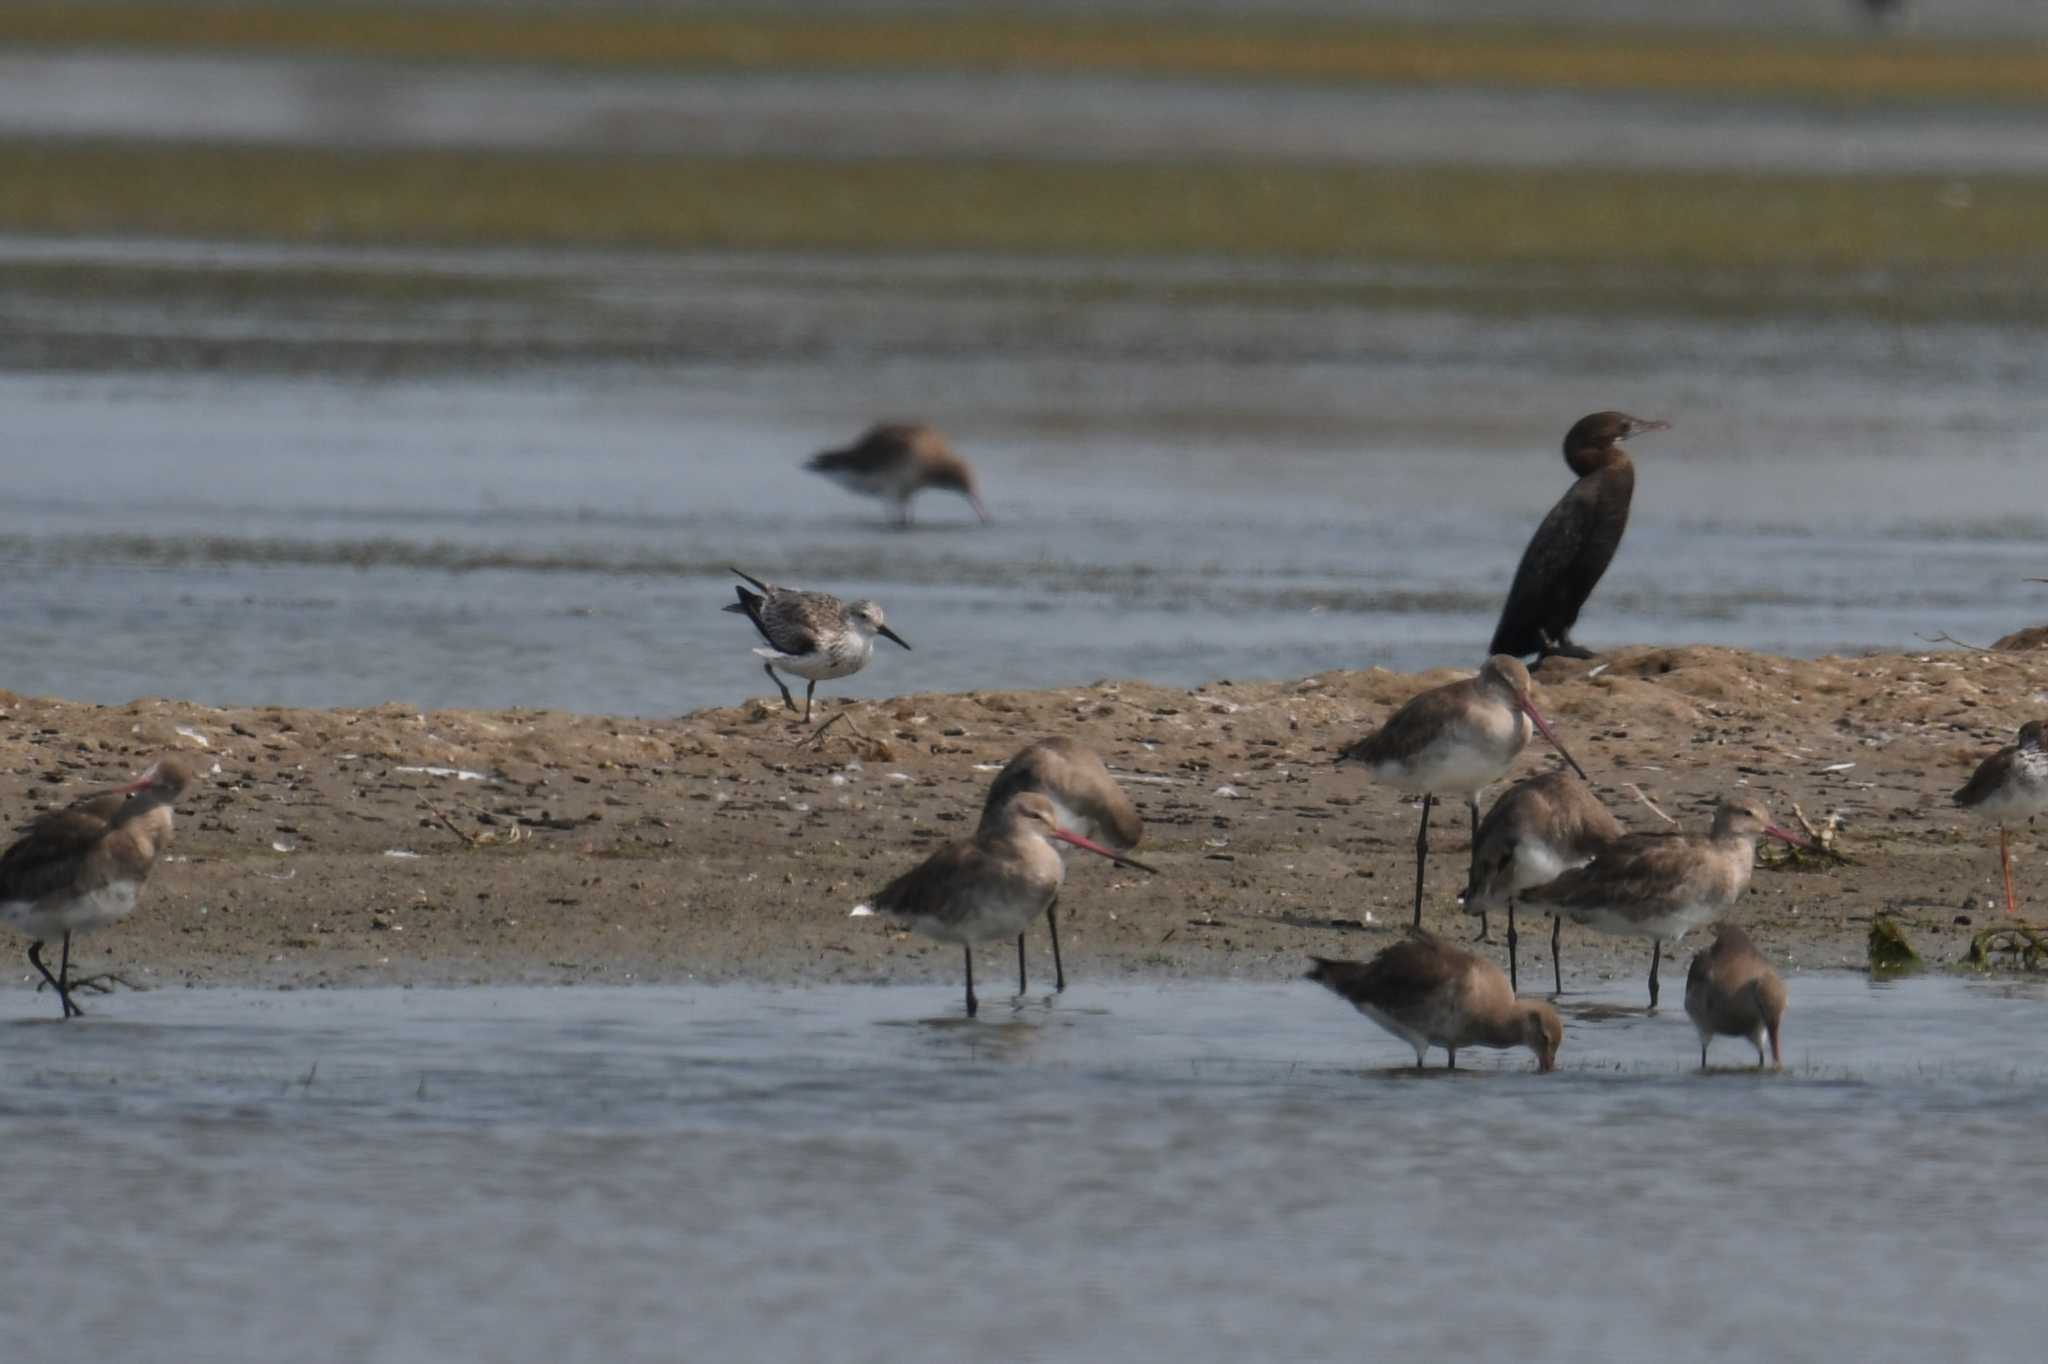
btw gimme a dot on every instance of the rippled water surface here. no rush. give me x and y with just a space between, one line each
1198 1172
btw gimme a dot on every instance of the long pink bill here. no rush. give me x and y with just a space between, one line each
1795 839
1543 726
1063 836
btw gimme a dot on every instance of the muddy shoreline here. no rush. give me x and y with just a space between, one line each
386 846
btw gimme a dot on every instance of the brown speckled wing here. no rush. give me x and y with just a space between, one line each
1651 871
1422 721
1990 777
794 622
1404 976
48 858
925 890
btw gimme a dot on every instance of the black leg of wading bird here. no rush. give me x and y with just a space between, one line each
1556 971
97 982
1421 853
1059 972
35 959
810 690
1485 933
787 699
971 1004
1656 953
1021 986
1514 980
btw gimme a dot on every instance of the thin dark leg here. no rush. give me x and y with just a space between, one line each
1052 921
810 690
35 959
1703 1054
1472 805
1421 853
972 1004
787 699
1556 971
1514 980
1021 985
1485 933
71 1010
1451 1064
1656 954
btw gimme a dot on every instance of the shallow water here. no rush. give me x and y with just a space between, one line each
1214 1171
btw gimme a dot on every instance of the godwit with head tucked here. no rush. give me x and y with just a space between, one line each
1085 799
1455 739
895 461
1731 991
79 868
1538 830
1430 994
812 634
1576 541
2010 784
1660 886
992 885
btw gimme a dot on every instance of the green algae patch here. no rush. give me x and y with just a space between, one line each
2013 947
1890 953
1605 57
1458 216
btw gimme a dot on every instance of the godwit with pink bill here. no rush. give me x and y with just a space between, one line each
1456 739
1539 829
1731 991
1085 799
990 886
2010 784
1430 994
895 461
1660 886
80 868
812 634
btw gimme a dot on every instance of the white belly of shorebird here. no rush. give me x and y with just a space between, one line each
1395 1026
820 665
53 917
989 917
1451 770
1628 921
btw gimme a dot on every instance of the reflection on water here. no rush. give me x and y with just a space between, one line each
1193 1171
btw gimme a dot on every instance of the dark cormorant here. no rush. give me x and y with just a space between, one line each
1575 543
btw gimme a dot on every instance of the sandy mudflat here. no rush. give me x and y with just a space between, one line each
711 846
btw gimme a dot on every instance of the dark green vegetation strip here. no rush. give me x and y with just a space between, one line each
1847 68
1454 216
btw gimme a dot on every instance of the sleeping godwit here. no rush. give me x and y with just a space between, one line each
80 868
1576 541
1660 886
1085 799
992 885
1534 833
894 461
1455 740
2010 784
1731 991
812 634
1430 994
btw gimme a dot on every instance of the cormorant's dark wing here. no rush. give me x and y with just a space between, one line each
1563 563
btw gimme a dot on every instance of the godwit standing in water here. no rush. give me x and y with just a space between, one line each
992 885
1430 994
79 868
1455 739
1576 541
1731 991
896 460
1660 886
1085 799
1534 833
2010 784
812 634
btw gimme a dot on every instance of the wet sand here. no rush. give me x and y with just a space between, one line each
344 847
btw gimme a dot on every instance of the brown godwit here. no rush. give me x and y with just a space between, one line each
2010 784
1576 541
1430 994
1085 799
1731 991
812 634
1538 830
1660 886
896 460
79 868
989 886
1455 740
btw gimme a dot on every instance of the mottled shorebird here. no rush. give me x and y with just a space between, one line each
1430 994
2010 784
1576 541
1540 829
1660 886
1731 991
812 634
1455 740
1085 799
990 886
895 461
80 868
